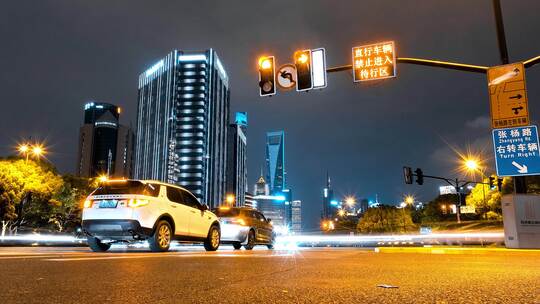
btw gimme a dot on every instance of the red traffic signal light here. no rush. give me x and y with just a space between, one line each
267 76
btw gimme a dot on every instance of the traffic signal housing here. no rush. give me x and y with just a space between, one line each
491 182
408 175
302 62
499 183
419 176
267 76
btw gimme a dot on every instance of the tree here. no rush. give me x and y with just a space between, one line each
25 185
66 213
386 219
439 208
486 201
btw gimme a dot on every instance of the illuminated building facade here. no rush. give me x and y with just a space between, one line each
182 119
105 146
329 203
296 216
237 159
275 161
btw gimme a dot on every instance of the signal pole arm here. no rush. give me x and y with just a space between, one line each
529 63
426 62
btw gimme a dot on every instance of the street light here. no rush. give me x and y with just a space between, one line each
38 151
350 201
26 149
230 199
471 164
409 200
341 212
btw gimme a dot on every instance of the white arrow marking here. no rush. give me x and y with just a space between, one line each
504 77
521 168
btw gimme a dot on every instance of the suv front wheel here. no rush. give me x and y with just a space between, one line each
160 241
212 240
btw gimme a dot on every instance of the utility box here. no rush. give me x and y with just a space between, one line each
521 217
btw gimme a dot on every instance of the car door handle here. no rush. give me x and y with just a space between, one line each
192 211
174 206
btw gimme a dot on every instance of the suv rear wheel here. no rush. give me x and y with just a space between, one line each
212 240
96 245
160 241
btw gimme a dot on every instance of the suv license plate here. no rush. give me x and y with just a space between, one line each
108 204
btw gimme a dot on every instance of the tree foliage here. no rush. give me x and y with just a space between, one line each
33 194
386 219
486 201
24 181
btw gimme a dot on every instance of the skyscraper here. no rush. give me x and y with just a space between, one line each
275 161
261 187
105 146
329 204
182 119
296 218
237 159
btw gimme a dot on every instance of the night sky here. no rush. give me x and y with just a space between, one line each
56 55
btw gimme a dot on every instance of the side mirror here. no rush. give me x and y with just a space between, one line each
204 207
268 220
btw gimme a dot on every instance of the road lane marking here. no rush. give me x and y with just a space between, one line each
190 255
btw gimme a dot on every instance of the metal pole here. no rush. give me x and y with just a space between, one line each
458 203
501 38
520 183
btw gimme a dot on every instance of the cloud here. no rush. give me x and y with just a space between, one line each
480 122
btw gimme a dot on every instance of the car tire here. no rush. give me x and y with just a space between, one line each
212 240
250 240
160 241
96 245
237 245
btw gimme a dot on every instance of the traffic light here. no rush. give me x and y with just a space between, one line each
302 62
419 176
267 76
499 183
408 175
491 182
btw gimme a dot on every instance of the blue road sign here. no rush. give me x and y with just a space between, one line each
516 151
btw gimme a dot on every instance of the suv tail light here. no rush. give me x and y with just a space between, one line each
88 204
137 203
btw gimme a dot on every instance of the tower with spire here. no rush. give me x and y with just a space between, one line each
261 187
328 199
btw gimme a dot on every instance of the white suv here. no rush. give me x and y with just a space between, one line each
135 210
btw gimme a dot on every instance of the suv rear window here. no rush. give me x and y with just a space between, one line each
226 212
128 187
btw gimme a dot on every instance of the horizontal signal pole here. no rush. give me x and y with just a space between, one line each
439 64
529 63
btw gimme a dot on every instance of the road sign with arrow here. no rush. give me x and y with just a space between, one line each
508 96
286 77
516 151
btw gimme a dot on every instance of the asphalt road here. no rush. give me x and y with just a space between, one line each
190 275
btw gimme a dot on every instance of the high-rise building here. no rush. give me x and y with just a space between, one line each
261 187
237 159
329 204
105 146
296 218
182 119
364 205
275 161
